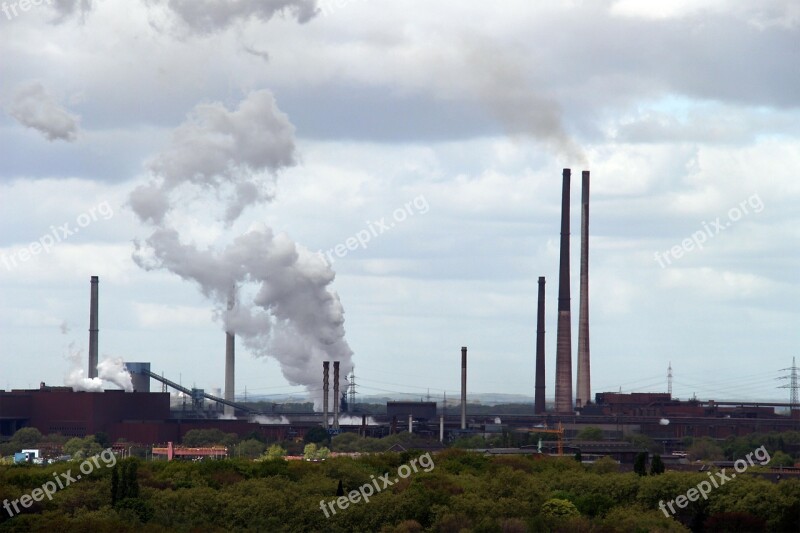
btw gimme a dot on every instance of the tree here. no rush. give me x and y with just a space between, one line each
590 433
26 438
705 449
250 448
317 435
657 465
114 484
310 451
558 508
79 448
780 458
276 451
578 456
640 463
605 465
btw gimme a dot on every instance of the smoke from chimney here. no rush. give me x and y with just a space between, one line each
564 333
538 402
583 391
93 327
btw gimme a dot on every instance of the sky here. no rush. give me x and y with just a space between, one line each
380 182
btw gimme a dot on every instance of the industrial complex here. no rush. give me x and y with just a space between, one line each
148 418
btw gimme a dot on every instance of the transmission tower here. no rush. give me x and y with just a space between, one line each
352 390
669 379
792 385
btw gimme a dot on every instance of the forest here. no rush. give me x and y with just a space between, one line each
458 491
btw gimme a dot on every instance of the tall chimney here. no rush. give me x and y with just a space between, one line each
336 395
538 402
463 387
93 327
564 333
325 369
583 394
230 362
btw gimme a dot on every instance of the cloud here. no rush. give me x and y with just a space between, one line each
34 107
210 16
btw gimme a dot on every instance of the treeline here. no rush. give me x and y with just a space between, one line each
462 492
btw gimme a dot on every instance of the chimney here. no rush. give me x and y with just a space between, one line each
325 369
93 327
463 387
583 393
336 395
564 333
230 362
538 402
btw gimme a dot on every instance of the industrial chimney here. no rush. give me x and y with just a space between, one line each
230 362
564 333
325 370
93 327
336 395
463 387
538 401
583 393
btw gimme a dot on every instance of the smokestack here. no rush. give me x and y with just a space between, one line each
463 387
410 424
325 368
441 428
93 327
538 402
583 394
336 395
230 362
564 333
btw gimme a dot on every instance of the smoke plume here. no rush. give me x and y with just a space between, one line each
284 307
110 369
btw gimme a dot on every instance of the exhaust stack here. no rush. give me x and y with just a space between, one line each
538 402
583 393
336 395
93 327
325 369
564 333
230 363
463 387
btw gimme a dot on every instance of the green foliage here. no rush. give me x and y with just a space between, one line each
26 438
780 458
656 465
464 491
558 508
590 433
274 452
80 448
605 465
640 464
705 449
249 449
197 438
317 435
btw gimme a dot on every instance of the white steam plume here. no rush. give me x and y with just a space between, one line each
285 307
111 369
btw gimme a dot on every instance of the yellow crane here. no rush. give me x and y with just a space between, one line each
558 431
